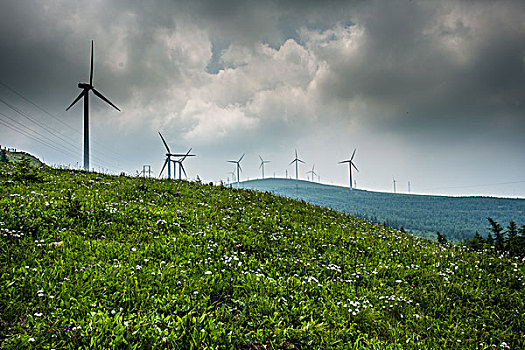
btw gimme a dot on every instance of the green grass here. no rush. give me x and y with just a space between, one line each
94 261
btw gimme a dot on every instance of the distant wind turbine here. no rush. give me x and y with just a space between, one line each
168 158
238 166
181 167
394 180
262 165
233 175
296 160
85 93
350 165
312 172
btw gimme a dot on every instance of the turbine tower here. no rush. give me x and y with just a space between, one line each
238 166
350 165
262 165
312 172
168 158
85 94
296 160
181 167
394 181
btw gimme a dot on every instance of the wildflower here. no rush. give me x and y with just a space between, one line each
208 272
31 340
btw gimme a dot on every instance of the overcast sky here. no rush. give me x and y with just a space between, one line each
431 92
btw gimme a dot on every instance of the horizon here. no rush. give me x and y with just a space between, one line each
429 93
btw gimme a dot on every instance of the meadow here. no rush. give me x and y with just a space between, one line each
96 261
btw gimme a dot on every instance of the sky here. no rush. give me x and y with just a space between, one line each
428 92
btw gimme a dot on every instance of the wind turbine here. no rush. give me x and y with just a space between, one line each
262 165
238 166
394 180
350 165
296 160
233 175
85 93
168 158
312 172
179 162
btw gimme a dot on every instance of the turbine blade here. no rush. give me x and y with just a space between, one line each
184 171
292 162
165 162
240 168
355 167
186 155
353 154
261 158
164 141
260 166
105 99
232 161
344 161
76 100
91 71
241 157
300 161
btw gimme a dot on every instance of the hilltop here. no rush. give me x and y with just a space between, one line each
13 156
99 261
457 217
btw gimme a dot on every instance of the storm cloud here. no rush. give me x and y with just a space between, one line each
422 80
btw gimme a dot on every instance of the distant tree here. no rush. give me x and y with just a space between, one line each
512 235
477 242
498 233
521 230
441 238
3 156
402 229
490 240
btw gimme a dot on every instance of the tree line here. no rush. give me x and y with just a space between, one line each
510 239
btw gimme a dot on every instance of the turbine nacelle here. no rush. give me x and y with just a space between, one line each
85 86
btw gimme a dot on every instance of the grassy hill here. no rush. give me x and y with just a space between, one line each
457 217
95 261
18 157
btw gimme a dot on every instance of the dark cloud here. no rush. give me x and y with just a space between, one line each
263 74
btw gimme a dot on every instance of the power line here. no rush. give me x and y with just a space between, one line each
35 138
116 156
38 107
49 130
473 186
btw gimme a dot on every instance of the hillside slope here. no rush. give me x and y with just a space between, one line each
457 217
95 261
17 157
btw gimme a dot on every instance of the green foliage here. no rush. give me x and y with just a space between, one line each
95 261
3 156
26 172
513 244
441 238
